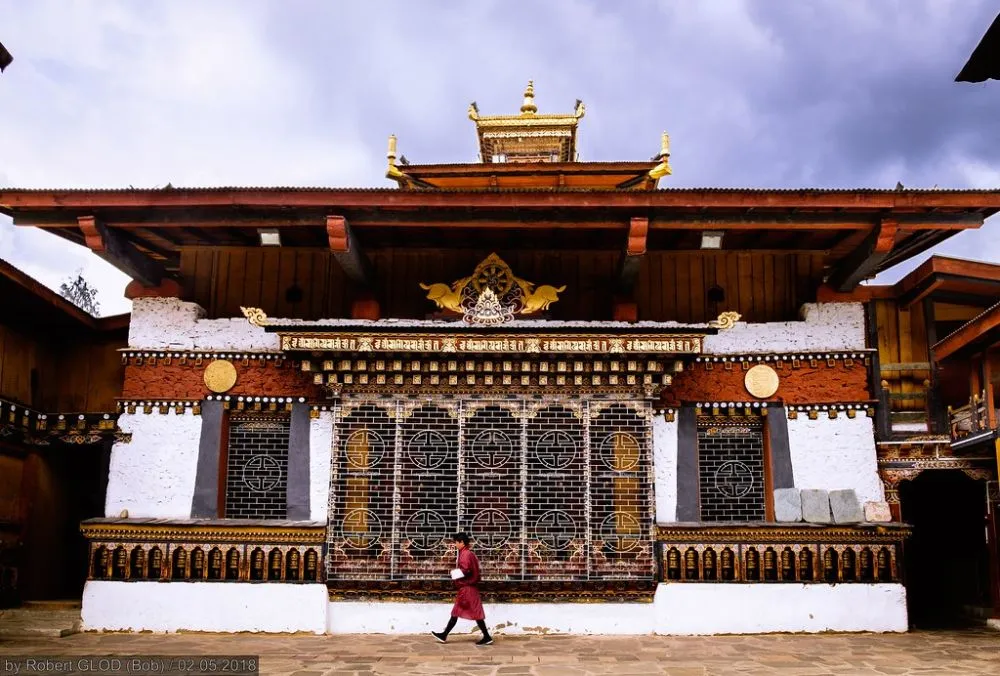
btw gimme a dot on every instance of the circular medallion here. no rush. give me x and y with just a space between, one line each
425 529
491 528
492 448
261 473
734 479
620 452
555 450
220 376
761 381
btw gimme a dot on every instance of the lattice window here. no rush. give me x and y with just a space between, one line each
257 467
549 490
731 468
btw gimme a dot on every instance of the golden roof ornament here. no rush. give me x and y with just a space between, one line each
492 294
527 136
529 107
393 171
663 168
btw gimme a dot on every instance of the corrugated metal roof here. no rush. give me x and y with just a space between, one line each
750 191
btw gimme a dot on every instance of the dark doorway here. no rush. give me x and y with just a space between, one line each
946 559
70 485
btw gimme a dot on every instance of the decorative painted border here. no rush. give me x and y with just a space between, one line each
496 591
202 532
812 359
782 533
36 428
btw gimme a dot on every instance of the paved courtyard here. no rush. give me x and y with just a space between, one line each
946 652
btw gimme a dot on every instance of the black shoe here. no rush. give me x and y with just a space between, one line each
486 640
442 638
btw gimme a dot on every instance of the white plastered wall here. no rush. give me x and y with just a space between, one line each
700 609
204 606
320 449
824 327
153 474
665 468
172 324
679 608
835 454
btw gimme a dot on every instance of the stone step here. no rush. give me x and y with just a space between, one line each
62 604
34 622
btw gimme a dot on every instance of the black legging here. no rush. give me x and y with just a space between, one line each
479 623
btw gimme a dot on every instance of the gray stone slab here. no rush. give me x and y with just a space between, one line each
878 512
205 503
845 507
816 506
298 465
781 458
787 505
687 465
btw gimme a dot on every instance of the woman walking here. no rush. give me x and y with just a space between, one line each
468 603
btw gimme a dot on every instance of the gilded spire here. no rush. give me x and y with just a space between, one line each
391 155
663 168
529 107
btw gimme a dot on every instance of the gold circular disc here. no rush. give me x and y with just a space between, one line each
220 376
761 381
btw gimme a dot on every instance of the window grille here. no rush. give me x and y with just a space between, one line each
556 489
257 467
731 468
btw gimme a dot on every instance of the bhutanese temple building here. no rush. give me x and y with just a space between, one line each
655 410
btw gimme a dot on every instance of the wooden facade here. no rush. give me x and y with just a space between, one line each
673 286
60 377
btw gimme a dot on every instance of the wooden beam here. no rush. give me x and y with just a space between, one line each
113 248
347 251
632 255
863 262
906 201
968 334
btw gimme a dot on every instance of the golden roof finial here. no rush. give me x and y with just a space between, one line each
663 168
391 155
392 171
529 107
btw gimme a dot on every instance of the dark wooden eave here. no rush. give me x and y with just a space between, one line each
984 63
838 223
977 334
33 305
5 58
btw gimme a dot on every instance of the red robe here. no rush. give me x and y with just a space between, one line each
468 603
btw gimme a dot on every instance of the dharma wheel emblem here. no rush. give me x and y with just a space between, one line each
492 294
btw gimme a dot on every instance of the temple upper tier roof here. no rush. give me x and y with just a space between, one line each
529 150
527 136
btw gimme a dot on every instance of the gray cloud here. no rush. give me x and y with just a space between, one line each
754 94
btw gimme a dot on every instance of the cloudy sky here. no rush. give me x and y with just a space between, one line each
754 93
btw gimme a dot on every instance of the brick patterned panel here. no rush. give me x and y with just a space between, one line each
731 471
257 467
187 381
546 492
491 480
803 385
361 533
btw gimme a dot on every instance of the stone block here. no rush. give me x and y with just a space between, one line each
878 512
787 505
845 507
816 506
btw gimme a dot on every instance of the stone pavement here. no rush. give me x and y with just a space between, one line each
932 653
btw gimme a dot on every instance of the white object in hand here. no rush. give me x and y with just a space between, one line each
457 574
